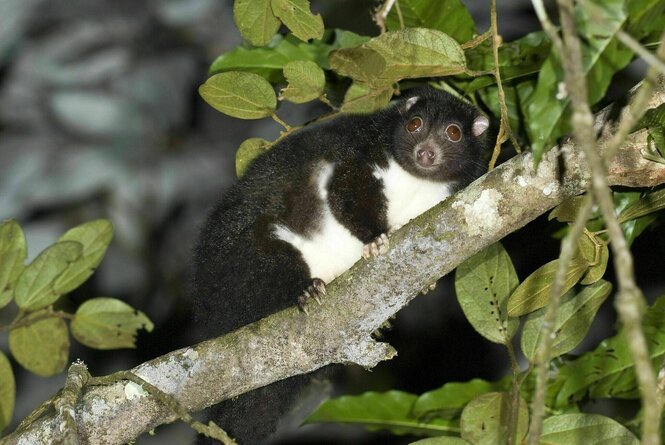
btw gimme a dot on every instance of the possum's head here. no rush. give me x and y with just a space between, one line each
440 137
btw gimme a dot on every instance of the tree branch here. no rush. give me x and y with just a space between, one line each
339 331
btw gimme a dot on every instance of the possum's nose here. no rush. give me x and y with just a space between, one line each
425 157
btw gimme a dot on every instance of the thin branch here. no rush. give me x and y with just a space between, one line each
381 14
641 51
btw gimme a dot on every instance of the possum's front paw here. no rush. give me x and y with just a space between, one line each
376 246
314 291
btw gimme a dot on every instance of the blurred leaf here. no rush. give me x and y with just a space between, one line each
306 81
41 347
585 429
397 55
94 236
7 392
255 21
485 419
390 410
483 284
645 17
568 210
348 39
449 16
608 371
536 290
249 150
573 320
296 15
651 202
34 288
361 98
240 94
448 401
107 323
441 440
602 55
13 251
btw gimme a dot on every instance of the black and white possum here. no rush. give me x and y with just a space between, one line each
314 204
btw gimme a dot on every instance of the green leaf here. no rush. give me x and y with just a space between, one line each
41 347
651 202
34 288
447 402
7 392
449 16
546 111
535 291
390 410
13 251
585 429
249 150
568 210
443 440
363 98
397 55
107 323
296 15
485 419
608 371
240 94
306 82
255 20
599 259
573 321
483 284
94 236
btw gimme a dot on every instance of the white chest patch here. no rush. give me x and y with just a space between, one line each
408 196
331 249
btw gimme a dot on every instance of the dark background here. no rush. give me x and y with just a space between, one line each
100 117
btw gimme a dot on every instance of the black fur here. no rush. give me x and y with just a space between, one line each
242 273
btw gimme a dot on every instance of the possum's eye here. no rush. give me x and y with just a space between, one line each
454 133
414 124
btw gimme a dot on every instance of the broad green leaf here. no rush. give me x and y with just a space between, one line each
568 210
536 290
483 284
449 16
390 410
240 94
7 392
650 203
296 15
447 402
107 323
249 150
255 21
645 17
34 288
608 371
306 82
363 98
397 55
41 347
13 251
633 227
94 236
599 262
348 39
546 109
573 321
442 440
585 429
485 419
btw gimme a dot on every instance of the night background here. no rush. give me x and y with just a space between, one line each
100 118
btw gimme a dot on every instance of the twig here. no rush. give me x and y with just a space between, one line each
65 404
641 51
382 12
276 118
515 393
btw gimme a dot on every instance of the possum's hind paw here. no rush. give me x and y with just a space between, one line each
316 290
376 246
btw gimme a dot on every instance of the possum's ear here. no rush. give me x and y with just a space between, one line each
411 101
480 124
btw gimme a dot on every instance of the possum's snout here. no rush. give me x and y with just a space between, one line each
426 154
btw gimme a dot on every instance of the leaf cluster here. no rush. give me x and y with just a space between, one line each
39 334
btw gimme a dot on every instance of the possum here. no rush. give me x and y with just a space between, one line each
306 210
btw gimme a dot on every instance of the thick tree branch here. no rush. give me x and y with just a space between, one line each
339 331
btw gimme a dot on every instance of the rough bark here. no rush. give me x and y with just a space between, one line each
339 331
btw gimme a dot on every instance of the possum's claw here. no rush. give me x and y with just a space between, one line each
376 246
314 291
